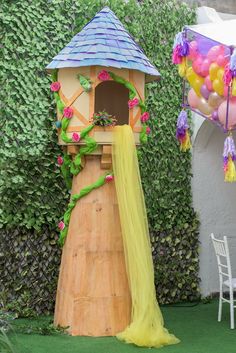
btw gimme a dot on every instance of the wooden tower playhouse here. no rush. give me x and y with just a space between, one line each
92 73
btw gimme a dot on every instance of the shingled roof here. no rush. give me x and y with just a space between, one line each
105 42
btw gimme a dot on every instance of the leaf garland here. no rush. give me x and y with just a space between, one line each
76 197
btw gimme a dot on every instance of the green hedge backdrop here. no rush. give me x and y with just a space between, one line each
33 195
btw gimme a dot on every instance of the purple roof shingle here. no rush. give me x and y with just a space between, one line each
105 42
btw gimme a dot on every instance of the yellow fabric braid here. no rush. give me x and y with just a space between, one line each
146 327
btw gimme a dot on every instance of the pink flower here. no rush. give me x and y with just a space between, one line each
55 86
68 112
60 160
176 58
75 137
133 102
61 225
148 130
103 75
109 178
144 117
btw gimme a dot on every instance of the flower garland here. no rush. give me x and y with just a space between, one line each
64 225
71 167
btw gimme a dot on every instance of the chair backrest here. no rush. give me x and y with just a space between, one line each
222 256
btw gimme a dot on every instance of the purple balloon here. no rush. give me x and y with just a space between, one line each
204 91
204 44
215 116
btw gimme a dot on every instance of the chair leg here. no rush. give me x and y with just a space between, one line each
231 309
220 303
220 309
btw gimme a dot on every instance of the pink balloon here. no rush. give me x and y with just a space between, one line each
222 60
214 52
193 52
197 64
208 83
231 115
193 99
205 67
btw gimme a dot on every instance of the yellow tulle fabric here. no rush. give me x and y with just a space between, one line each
230 174
146 327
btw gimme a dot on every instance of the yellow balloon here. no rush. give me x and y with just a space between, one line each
234 87
197 84
189 73
218 86
182 68
213 69
220 74
195 80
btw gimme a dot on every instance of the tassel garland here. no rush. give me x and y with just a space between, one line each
182 133
229 156
229 77
180 48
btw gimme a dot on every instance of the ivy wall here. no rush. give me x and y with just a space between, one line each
33 195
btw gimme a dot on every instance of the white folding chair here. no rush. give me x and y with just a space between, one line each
225 275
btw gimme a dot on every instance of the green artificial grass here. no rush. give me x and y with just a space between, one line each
195 326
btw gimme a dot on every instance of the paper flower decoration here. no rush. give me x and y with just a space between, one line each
144 117
109 178
60 160
75 137
61 225
103 75
68 112
133 102
55 86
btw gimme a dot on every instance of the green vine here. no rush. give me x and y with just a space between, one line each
85 82
127 84
85 191
143 136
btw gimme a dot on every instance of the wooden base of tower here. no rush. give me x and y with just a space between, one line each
93 297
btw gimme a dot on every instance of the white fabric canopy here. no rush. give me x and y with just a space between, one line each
223 32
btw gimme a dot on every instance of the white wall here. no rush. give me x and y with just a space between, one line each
213 199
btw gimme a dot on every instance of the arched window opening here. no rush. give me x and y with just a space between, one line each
113 97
